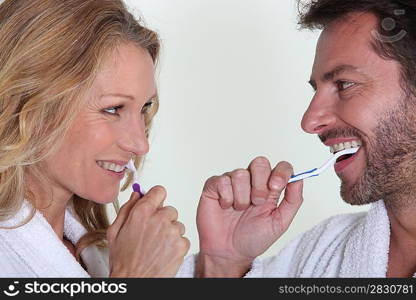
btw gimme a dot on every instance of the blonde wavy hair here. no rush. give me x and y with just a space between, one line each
50 53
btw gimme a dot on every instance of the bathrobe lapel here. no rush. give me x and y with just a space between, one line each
40 253
366 252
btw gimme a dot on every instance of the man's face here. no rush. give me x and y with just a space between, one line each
359 99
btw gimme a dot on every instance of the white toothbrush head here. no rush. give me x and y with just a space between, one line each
334 158
132 168
130 165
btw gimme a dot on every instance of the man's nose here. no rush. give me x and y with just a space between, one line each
134 138
320 115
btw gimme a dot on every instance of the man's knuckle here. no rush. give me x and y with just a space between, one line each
224 181
241 174
261 161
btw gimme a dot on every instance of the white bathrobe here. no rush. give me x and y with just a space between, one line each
34 250
350 245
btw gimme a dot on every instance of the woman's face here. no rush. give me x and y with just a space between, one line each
109 130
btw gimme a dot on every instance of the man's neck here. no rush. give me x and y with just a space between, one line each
402 252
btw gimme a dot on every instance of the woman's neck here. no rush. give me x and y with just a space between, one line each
52 204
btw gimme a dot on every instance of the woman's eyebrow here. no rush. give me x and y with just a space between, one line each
130 97
118 95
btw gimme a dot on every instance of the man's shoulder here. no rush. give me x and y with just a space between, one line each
319 246
343 220
331 232
334 226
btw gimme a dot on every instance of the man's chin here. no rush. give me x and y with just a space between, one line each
357 193
347 194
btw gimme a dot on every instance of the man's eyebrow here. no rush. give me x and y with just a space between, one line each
328 76
336 71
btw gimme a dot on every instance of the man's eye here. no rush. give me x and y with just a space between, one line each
344 85
146 107
113 110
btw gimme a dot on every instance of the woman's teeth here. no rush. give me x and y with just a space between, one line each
111 166
347 145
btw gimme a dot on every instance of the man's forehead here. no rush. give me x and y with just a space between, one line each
347 41
349 32
354 24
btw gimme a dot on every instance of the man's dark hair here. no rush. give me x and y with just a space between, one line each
396 37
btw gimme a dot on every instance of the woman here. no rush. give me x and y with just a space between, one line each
77 96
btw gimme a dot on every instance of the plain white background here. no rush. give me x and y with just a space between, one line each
233 85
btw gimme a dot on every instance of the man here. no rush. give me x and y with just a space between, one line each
364 78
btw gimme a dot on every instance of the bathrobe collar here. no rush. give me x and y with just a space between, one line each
38 246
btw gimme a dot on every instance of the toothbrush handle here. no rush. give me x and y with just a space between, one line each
137 189
303 175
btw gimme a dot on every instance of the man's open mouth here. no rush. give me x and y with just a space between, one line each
342 146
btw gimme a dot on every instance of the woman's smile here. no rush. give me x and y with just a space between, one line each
113 168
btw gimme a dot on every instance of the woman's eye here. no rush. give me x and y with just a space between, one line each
113 110
344 85
146 107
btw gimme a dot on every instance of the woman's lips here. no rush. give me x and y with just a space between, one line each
118 175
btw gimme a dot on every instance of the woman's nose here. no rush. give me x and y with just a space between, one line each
319 116
134 139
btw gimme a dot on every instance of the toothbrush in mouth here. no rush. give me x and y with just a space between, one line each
136 185
317 171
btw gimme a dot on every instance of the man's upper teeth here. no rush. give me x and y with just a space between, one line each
341 146
111 166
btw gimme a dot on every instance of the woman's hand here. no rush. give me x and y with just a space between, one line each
238 217
146 240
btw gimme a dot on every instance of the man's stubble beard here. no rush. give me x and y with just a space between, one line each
390 171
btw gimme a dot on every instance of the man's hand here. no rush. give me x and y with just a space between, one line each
238 217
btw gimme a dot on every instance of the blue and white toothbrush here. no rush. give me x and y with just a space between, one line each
317 171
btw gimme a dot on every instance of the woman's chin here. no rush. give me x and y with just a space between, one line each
103 198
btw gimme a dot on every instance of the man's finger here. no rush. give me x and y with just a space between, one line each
278 180
225 191
260 170
287 209
219 188
241 185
